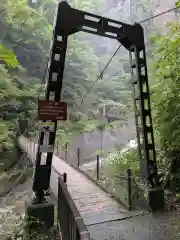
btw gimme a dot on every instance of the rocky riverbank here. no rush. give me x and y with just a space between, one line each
12 208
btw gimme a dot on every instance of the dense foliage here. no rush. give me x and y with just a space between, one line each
164 72
18 86
26 31
165 88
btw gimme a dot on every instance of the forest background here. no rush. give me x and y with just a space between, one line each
25 37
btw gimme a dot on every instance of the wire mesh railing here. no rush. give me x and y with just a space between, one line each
120 182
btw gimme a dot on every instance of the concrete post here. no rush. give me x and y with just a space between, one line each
43 212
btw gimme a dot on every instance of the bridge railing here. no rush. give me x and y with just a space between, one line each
120 184
70 223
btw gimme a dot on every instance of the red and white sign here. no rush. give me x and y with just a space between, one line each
51 111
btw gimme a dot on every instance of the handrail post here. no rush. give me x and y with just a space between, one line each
66 145
78 157
97 169
65 177
129 176
57 146
34 146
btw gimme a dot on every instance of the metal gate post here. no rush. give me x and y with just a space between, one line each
143 118
53 92
144 128
41 208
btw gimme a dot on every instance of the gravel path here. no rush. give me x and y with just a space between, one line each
148 227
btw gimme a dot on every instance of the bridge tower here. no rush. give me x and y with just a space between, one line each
67 22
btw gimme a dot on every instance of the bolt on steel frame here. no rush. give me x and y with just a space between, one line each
67 22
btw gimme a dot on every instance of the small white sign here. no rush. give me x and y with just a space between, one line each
47 127
43 160
46 148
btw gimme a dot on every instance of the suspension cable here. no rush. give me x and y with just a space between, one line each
160 14
101 74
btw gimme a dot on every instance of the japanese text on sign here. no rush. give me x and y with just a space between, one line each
50 110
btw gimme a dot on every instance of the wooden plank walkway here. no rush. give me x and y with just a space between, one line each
94 204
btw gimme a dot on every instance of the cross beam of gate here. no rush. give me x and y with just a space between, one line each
67 22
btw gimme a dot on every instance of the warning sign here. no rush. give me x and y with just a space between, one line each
51 111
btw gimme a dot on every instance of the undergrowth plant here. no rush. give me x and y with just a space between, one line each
33 229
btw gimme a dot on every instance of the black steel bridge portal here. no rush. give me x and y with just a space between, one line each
67 22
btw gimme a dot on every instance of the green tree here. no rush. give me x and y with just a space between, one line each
7 57
166 83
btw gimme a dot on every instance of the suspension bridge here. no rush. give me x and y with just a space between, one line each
81 203
94 205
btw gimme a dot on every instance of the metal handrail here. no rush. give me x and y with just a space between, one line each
70 222
28 141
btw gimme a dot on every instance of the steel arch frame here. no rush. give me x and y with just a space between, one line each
69 21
